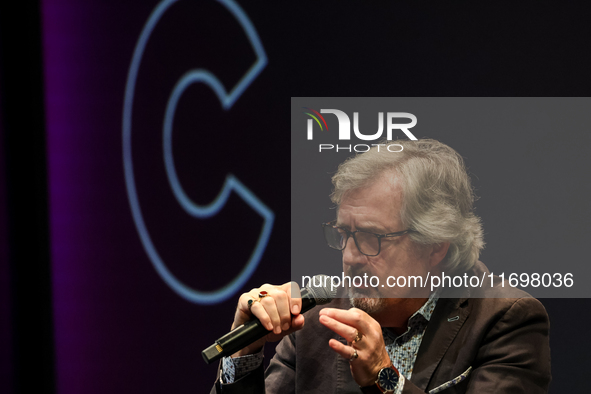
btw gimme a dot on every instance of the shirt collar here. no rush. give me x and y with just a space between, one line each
428 307
420 317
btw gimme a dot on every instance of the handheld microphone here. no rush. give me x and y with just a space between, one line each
253 330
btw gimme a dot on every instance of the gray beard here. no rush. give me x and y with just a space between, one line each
365 303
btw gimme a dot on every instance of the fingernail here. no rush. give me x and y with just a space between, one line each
296 309
285 326
270 326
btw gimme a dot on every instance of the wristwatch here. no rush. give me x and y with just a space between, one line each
386 382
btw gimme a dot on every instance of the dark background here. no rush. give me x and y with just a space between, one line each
81 307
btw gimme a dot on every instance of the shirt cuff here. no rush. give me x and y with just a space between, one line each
400 385
235 368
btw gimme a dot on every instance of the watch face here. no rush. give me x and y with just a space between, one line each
388 379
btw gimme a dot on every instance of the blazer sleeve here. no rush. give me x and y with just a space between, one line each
279 377
514 356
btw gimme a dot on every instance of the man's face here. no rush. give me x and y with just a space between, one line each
376 208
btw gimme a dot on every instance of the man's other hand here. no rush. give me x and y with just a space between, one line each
364 338
277 310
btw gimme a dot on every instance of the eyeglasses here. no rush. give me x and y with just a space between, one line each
367 243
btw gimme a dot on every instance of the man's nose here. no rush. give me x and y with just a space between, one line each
352 255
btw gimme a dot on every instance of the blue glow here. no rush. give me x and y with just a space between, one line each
231 183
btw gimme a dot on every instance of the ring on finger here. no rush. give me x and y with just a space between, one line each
263 294
251 302
358 337
354 355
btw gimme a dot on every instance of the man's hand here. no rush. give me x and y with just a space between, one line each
278 311
371 350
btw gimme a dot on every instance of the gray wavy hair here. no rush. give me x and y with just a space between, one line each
437 194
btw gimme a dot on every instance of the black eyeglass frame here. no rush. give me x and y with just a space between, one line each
352 234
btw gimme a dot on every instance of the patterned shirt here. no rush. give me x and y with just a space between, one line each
235 368
402 349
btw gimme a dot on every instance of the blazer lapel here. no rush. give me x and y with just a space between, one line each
445 323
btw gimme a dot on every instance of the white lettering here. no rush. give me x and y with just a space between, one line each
390 150
371 137
304 281
333 279
404 127
355 281
344 123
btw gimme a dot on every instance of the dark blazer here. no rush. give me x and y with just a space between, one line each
501 342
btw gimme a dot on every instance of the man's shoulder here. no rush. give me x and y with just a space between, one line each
498 297
492 286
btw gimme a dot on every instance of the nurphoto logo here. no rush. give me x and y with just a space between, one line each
345 129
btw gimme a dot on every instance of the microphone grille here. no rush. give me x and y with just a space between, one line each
321 290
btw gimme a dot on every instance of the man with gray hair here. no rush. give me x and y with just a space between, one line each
406 214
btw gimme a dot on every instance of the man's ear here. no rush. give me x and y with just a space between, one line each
438 253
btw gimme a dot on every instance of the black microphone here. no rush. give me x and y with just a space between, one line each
253 330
